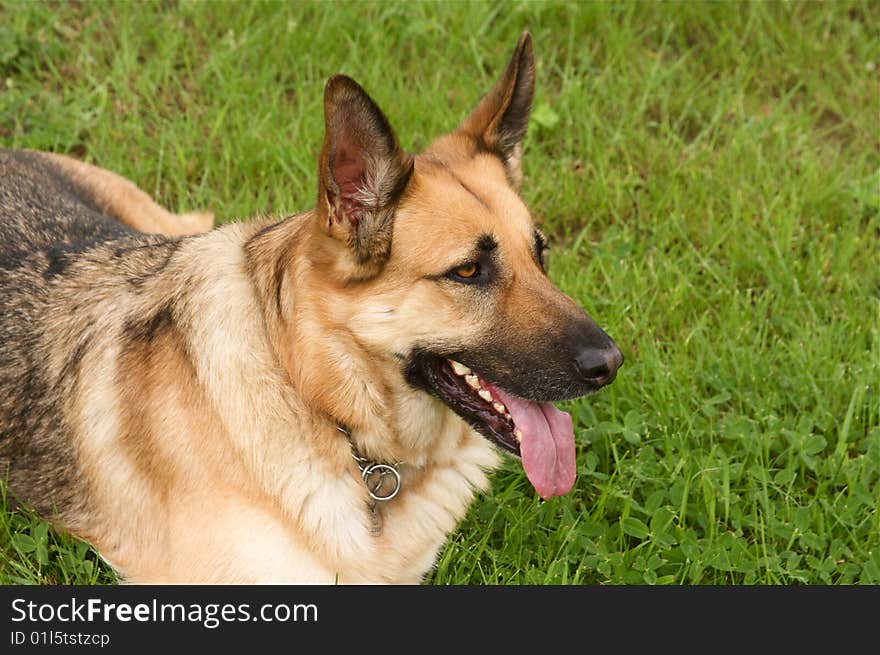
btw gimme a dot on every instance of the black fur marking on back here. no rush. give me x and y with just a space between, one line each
59 257
137 329
278 276
160 257
274 282
41 209
71 366
281 263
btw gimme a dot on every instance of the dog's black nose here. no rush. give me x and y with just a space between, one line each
599 365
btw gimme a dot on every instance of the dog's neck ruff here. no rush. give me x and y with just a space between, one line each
381 479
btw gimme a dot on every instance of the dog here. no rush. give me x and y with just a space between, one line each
315 399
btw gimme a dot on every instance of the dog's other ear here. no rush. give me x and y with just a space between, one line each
362 174
499 122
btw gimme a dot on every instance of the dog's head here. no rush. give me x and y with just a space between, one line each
445 271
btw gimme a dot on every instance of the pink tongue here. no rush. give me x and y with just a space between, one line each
547 446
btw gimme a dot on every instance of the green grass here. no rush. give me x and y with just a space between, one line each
709 172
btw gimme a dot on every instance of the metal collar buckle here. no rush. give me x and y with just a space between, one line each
375 474
375 471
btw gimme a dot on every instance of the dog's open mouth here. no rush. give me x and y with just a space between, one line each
538 432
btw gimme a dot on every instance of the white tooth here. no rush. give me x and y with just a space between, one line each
473 381
459 368
501 409
485 394
518 434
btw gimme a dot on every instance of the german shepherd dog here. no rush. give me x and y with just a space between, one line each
311 400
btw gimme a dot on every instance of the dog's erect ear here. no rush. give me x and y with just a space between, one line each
362 173
499 122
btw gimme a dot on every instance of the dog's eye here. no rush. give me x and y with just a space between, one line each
470 273
479 271
468 270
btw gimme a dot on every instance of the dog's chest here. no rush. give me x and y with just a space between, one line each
408 531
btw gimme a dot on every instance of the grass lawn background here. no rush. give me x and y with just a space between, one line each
709 174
